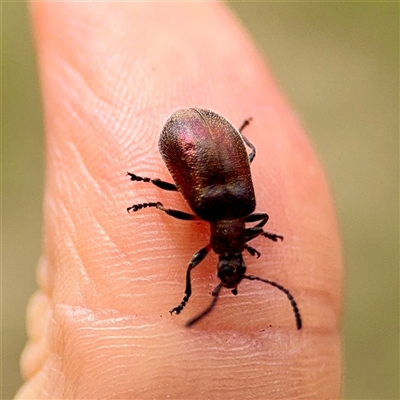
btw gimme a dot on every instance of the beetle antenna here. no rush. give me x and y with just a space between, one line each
284 290
215 294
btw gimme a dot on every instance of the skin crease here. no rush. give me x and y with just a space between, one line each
99 325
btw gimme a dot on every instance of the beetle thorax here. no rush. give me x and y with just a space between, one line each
228 236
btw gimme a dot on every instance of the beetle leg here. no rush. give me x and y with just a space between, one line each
137 207
257 217
196 259
252 233
252 251
173 213
247 141
253 149
158 182
177 214
272 236
245 123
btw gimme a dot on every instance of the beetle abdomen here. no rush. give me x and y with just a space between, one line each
208 161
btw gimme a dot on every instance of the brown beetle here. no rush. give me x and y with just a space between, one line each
207 158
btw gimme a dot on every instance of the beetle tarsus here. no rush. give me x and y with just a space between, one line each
137 207
245 123
137 178
272 236
181 306
252 251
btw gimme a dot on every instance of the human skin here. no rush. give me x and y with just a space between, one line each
99 325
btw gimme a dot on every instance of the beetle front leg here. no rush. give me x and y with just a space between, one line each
196 259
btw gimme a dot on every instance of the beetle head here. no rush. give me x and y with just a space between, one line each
231 269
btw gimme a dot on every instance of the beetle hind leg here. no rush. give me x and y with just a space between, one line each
247 141
157 182
173 213
245 123
137 207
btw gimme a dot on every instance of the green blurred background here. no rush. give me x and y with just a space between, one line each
338 64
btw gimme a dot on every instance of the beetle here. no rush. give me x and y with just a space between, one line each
210 165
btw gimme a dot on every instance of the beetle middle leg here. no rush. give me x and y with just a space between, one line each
196 259
157 182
